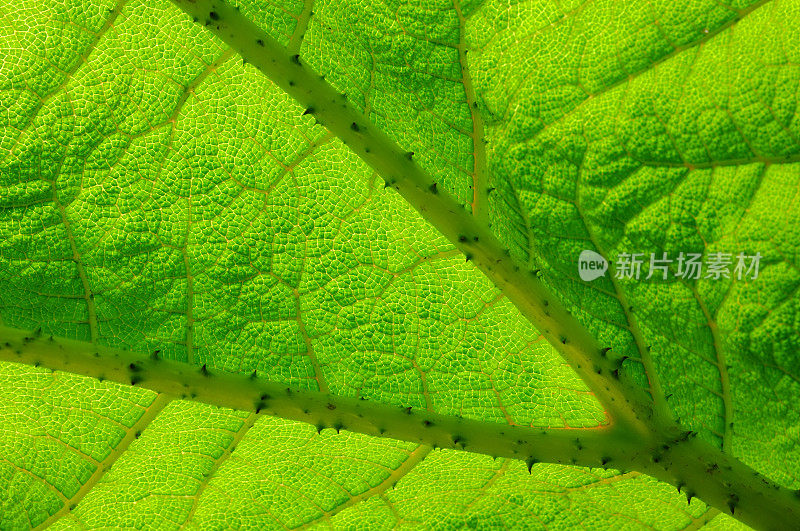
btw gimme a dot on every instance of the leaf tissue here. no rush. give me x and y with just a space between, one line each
431 265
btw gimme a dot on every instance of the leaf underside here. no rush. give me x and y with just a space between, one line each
160 194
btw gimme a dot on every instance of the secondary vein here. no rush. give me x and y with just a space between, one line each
625 402
150 413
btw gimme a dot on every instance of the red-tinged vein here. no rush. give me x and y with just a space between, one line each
289 168
413 459
36 478
88 295
189 89
286 169
189 326
632 325
506 415
741 15
319 376
722 366
479 169
500 403
237 438
424 381
601 482
767 161
684 460
188 340
132 433
71 449
419 188
309 344
82 58
640 425
488 485
302 26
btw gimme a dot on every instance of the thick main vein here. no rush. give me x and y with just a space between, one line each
665 453
622 398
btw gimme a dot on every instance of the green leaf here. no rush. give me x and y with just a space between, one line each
234 281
